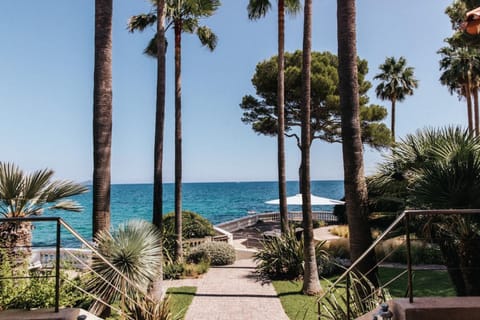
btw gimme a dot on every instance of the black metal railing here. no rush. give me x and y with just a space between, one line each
58 250
344 282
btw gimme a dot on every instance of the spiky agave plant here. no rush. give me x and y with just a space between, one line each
134 249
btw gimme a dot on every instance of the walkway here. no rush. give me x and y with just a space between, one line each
232 293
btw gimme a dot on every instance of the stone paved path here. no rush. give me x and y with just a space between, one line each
232 293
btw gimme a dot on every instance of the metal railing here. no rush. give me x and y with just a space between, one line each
251 220
56 262
404 217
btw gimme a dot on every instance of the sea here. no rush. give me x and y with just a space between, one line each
218 202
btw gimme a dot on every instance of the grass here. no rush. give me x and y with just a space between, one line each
180 300
425 283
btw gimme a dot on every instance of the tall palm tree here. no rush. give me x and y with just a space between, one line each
396 82
25 195
356 195
257 9
461 70
159 117
102 115
311 282
183 16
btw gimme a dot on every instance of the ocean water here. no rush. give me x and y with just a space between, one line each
218 202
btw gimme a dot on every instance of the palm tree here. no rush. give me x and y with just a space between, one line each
159 118
135 250
397 82
257 9
311 282
183 16
102 115
25 195
461 69
440 169
356 196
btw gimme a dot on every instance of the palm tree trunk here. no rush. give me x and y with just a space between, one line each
311 282
393 119
282 183
159 117
102 115
468 96
355 186
159 126
475 109
178 141
16 240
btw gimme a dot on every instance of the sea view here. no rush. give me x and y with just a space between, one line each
218 202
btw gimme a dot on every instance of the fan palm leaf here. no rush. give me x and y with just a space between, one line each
135 250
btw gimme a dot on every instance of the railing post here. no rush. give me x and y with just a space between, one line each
57 269
347 290
409 257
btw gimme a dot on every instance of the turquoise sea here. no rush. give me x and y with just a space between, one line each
217 202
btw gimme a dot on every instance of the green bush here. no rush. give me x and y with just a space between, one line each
217 253
193 225
282 259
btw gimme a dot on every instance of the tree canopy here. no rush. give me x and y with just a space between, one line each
260 111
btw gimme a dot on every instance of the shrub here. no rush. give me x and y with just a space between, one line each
217 253
339 248
185 270
341 231
193 225
282 258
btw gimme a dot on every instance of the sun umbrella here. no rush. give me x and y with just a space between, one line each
316 201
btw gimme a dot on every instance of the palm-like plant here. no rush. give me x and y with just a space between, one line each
461 69
135 250
440 169
184 16
258 9
24 195
397 82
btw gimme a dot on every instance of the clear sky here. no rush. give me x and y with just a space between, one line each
46 87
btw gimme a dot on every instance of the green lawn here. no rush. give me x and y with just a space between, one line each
426 283
180 300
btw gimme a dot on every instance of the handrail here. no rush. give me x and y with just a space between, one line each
404 215
60 222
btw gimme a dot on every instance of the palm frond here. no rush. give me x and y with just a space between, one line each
258 8
207 37
141 22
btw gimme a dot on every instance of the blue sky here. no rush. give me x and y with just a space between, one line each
46 87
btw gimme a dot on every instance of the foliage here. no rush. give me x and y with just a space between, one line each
190 12
363 298
282 258
147 309
24 195
260 111
426 283
178 270
217 253
440 169
193 225
180 299
135 250
340 230
296 304
421 252
396 78
36 289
